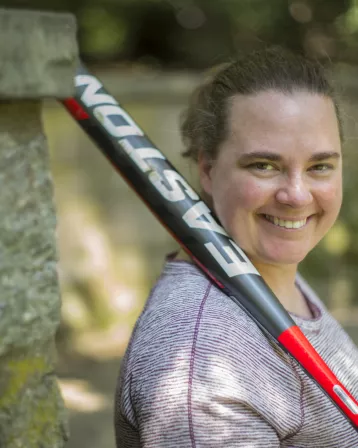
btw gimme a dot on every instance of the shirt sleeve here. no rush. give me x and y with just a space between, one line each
195 406
215 381
229 425
233 425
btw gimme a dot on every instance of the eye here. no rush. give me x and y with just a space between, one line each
322 167
262 166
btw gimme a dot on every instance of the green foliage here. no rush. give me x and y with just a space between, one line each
102 32
196 34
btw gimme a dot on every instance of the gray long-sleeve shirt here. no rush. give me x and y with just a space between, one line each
199 373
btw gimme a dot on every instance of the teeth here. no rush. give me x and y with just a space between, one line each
286 224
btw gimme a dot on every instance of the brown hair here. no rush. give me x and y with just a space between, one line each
204 123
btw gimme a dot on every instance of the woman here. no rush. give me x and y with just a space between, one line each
265 133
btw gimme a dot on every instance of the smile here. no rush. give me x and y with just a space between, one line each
285 223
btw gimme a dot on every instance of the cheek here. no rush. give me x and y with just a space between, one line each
330 197
240 195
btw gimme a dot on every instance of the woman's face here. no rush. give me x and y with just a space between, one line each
276 184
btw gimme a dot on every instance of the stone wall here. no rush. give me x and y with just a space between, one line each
38 58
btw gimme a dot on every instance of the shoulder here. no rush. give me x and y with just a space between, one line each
187 317
185 304
193 340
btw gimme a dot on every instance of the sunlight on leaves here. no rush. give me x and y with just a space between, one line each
351 18
79 396
74 311
337 240
103 345
103 32
340 299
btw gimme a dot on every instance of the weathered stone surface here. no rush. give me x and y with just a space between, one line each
38 54
31 409
38 58
29 297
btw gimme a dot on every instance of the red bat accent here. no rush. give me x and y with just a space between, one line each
75 109
298 345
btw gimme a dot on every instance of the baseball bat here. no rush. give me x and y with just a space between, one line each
179 208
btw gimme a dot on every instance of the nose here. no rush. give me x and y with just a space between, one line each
294 192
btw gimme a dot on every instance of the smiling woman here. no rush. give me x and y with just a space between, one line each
266 136
277 165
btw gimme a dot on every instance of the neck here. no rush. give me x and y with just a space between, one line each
281 280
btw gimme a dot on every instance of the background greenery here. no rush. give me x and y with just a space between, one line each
197 33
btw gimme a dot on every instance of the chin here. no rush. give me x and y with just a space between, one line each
283 259
289 252
279 256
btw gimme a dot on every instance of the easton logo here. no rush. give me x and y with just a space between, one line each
121 126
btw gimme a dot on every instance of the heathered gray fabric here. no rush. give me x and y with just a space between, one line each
199 373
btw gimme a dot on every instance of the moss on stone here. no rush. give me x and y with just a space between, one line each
20 372
32 413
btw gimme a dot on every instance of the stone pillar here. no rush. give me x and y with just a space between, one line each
38 58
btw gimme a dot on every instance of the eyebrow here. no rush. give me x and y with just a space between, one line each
273 157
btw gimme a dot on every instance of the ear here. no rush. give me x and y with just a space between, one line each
205 166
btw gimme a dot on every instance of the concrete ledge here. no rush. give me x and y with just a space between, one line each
39 54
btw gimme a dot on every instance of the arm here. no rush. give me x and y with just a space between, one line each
229 425
218 389
203 375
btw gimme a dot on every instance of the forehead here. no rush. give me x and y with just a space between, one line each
276 118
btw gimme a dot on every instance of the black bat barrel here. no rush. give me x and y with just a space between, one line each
175 203
193 225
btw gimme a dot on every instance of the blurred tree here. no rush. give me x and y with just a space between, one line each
199 33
